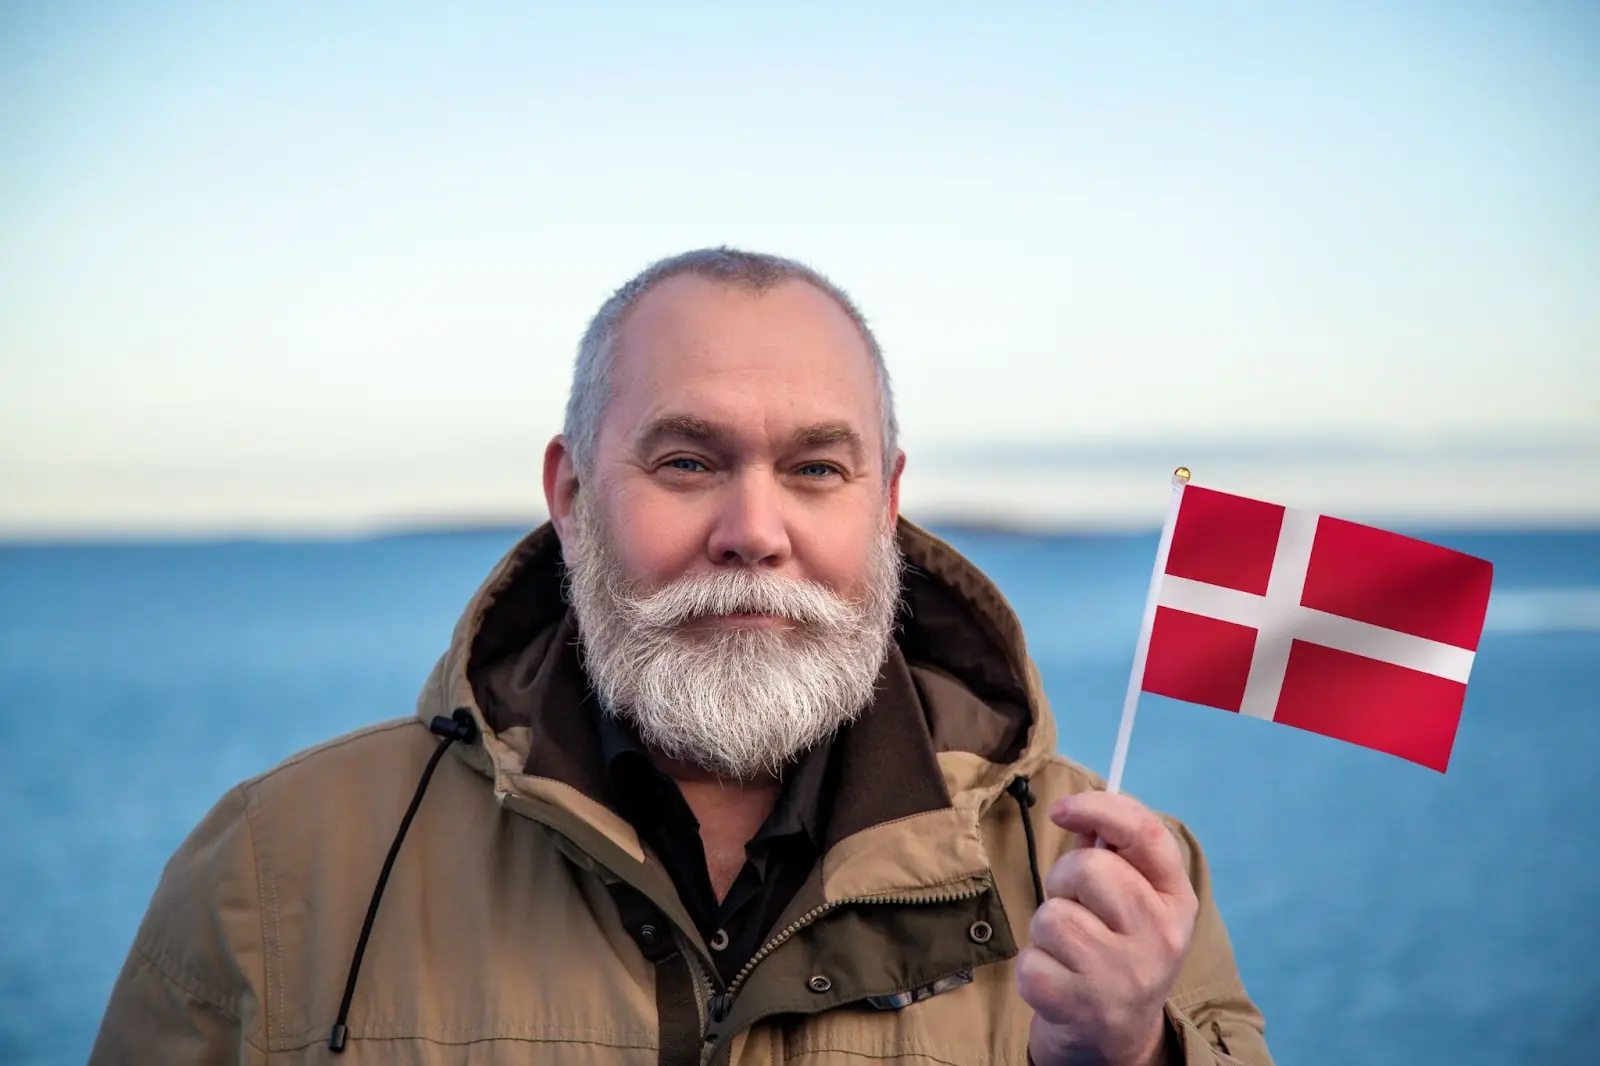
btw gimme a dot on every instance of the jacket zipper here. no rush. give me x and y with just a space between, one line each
722 1004
705 990
706 996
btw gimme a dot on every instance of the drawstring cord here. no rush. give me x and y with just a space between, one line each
1020 792
458 727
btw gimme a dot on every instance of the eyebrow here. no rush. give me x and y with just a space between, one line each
688 427
681 427
830 434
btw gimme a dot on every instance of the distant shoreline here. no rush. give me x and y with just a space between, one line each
1062 489
511 531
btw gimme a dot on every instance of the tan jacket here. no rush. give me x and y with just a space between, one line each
517 922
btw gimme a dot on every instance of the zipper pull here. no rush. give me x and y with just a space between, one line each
721 1003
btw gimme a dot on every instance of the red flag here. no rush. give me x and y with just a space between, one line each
1337 628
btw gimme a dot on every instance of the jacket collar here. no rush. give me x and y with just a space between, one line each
968 716
637 785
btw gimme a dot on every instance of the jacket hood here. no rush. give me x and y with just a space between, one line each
956 630
958 644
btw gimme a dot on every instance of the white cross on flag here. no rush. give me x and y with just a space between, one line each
1315 622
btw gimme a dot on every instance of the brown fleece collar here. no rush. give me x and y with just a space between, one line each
970 671
887 767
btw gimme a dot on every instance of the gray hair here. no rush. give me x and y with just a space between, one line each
753 271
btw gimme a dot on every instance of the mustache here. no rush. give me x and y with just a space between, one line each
698 596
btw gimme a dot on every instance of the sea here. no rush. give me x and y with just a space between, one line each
1382 913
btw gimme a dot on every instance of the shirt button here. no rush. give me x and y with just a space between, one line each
719 941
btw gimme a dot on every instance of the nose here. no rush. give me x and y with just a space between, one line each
750 529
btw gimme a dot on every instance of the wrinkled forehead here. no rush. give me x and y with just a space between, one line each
778 360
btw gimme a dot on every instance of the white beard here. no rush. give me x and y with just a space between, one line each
739 702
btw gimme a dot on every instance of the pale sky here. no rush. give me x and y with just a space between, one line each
244 248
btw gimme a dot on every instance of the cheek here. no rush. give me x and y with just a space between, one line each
834 548
656 536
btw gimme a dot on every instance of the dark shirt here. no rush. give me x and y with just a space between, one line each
778 858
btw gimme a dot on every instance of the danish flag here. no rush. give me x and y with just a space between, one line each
1333 627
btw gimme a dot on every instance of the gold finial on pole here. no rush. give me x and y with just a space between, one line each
1181 475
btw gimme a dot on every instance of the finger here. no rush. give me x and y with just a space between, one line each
1055 993
1132 829
1071 934
1107 884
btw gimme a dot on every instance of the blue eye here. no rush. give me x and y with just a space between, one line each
817 470
685 464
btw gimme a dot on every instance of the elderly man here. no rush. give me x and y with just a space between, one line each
743 768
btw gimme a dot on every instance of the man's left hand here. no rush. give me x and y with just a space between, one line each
1110 937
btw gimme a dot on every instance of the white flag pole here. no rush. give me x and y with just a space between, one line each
1130 702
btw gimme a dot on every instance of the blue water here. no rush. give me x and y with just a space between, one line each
1382 913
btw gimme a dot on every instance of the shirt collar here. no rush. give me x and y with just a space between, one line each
802 805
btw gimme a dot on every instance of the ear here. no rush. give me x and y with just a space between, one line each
560 485
894 488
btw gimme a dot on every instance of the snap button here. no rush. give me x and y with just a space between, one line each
819 983
649 936
719 941
981 932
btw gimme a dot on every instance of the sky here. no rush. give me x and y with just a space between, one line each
302 262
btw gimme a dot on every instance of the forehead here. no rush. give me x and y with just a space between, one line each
776 360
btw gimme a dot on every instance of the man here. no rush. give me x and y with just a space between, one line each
737 767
